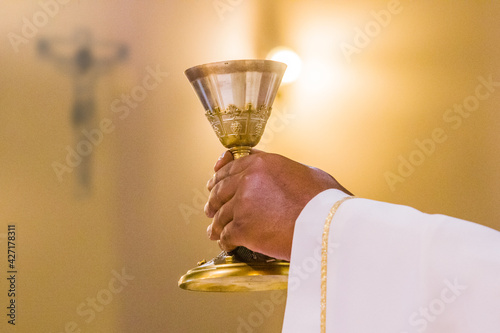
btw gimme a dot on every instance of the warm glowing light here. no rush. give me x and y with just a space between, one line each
291 59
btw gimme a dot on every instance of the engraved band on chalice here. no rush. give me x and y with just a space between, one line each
235 121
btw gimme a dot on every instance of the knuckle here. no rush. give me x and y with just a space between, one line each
210 208
245 181
207 210
211 182
219 190
260 160
227 241
215 234
214 202
261 166
225 238
213 196
212 205
237 227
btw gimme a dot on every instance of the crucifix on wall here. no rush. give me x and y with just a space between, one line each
85 60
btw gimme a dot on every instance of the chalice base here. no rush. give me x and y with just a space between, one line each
225 273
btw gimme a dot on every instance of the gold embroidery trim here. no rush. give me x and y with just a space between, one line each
324 259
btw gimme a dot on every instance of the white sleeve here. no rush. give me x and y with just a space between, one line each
393 269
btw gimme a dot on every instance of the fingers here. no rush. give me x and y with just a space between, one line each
232 168
220 206
223 229
224 183
221 220
220 194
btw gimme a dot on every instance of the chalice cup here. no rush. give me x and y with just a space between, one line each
237 96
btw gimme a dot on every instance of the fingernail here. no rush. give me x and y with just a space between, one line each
222 155
209 231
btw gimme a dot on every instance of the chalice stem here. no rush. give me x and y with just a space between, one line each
240 151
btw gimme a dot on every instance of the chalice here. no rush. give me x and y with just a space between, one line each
237 96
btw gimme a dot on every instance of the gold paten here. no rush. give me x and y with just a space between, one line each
237 97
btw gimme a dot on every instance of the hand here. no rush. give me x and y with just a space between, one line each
255 200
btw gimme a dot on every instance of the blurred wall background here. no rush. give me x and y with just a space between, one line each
398 100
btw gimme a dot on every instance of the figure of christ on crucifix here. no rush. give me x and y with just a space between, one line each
85 60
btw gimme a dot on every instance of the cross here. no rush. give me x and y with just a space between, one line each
86 62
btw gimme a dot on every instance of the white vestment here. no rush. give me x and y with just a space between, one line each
392 269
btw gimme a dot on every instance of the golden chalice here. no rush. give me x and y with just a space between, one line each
237 96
